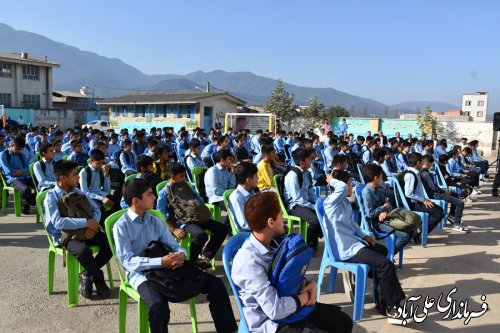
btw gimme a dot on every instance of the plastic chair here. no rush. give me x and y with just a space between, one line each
290 218
161 185
214 209
403 203
441 203
130 177
235 228
126 289
230 250
361 177
38 156
329 260
73 267
33 178
17 197
390 240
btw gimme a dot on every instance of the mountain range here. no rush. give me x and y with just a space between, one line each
113 77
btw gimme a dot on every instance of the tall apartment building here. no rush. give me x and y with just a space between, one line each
475 106
25 81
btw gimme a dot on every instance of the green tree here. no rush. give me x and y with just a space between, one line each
280 103
427 122
314 113
337 111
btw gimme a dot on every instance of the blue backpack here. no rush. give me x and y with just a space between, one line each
287 273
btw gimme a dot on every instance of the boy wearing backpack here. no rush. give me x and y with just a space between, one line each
247 178
132 234
66 173
179 202
15 169
44 169
262 305
299 194
77 155
127 159
414 192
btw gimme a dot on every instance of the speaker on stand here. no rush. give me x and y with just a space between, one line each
496 128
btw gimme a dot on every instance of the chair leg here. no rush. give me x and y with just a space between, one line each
110 276
194 320
17 203
4 200
122 311
72 270
332 278
52 259
359 295
143 317
400 263
425 230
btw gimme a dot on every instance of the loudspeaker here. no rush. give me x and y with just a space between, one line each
496 121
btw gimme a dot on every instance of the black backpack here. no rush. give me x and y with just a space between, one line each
9 157
401 180
200 185
89 176
352 161
177 285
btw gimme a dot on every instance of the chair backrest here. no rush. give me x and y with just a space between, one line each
38 156
277 181
33 178
229 209
160 186
358 190
361 178
196 171
228 254
108 224
40 198
130 177
439 175
399 194
4 183
329 238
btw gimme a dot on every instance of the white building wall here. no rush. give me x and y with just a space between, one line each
482 131
220 106
472 103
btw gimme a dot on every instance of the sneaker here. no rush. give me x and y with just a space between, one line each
348 278
451 219
26 210
101 288
393 316
204 263
460 228
85 286
494 194
477 190
417 239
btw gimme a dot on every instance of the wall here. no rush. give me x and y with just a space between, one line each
63 118
220 106
474 108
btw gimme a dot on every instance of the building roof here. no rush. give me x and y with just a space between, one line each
168 98
27 59
65 93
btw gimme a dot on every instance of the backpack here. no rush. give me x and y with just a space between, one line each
200 185
403 220
74 205
116 158
401 179
177 285
352 161
300 176
186 205
9 157
287 272
89 176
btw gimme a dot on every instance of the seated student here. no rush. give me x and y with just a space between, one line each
113 145
427 147
250 273
255 142
201 246
77 155
96 184
193 159
355 246
377 205
241 153
468 177
219 179
415 193
58 154
264 141
206 154
435 192
460 181
318 176
145 170
44 169
279 145
66 173
357 148
247 178
299 195
139 145
132 234
441 148
127 159
160 163
15 169
299 144
367 157
330 152
387 166
478 161
402 159
264 169
182 145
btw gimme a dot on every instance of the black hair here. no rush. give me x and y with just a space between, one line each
332 142
406 144
75 143
244 170
134 188
126 142
173 169
370 171
158 152
64 168
97 155
267 149
427 158
414 158
341 175
300 155
143 161
44 147
19 142
195 143
443 158
339 159
379 154
221 154
152 142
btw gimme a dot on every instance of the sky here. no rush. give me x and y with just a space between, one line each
391 51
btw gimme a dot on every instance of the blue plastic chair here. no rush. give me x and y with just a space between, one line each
230 250
390 240
361 178
401 202
329 260
444 206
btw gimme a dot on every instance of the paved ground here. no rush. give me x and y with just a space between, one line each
468 262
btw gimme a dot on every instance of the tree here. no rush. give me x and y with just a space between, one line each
337 111
280 103
314 113
427 122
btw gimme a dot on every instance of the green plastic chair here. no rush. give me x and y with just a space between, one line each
214 209
33 178
17 197
73 267
290 218
38 156
126 289
160 186
130 177
65 157
234 227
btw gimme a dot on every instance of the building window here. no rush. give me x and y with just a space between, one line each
480 103
31 101
480 113
6 100
5 69
184 111
467 103
31 72
125 111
